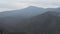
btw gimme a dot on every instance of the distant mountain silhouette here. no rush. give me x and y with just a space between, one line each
54 9
26 12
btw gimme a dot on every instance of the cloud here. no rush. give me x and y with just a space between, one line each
47 3
6 5
4 9
18 4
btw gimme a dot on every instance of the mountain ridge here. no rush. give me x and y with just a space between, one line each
27 12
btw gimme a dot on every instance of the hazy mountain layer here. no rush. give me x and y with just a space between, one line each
26 12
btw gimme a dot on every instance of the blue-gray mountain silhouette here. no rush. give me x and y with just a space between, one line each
26 12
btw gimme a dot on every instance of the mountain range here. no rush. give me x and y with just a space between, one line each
31 20
28 12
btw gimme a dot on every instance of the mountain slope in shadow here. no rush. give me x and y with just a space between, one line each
47 23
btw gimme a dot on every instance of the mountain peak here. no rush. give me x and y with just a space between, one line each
34 7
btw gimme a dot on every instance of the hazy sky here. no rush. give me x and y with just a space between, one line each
16 4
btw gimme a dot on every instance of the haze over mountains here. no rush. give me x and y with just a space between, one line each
33 20
28 12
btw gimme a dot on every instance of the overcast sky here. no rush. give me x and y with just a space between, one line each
18 4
